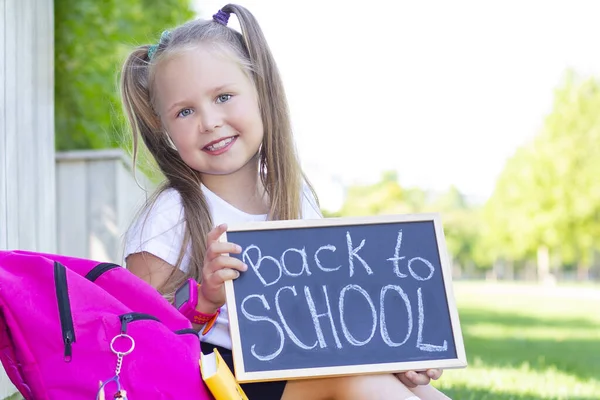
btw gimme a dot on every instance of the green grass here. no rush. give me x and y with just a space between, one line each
526 341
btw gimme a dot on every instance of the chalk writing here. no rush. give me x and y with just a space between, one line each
341 295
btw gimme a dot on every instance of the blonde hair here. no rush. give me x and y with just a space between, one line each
280 170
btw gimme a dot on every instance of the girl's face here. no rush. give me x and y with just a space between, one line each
209 108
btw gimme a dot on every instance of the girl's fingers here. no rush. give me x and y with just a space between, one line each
225 274
434 373
412 379
418 378
219 267
405 380
215 233
215 249
224 262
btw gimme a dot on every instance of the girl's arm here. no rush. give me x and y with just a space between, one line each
217 269
150 268
156 271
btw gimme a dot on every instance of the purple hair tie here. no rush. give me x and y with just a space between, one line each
221 17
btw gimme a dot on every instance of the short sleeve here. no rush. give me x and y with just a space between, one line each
310 208
160 230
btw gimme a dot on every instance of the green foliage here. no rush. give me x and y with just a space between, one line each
548 195
460 221
383 197
92 39
461 226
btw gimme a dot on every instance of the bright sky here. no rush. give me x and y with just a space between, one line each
441 91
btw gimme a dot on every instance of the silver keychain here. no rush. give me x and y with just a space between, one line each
121 393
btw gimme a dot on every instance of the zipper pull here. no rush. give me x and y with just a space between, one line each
68 346
125 319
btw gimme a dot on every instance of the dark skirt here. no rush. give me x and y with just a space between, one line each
254 391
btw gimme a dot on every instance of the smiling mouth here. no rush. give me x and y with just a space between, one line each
221 144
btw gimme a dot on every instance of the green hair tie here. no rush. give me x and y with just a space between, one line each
152 49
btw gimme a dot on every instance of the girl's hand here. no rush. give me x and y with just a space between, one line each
412 379
218 268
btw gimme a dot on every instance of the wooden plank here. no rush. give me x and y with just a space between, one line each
28 178
304 223
27 130
104 241
8 195
130 197
3 172
72 208
44 125
10 105
449 288
125 205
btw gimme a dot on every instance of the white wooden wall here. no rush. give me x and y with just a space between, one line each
27 207
27 125
97 198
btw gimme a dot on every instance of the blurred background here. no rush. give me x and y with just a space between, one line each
487 112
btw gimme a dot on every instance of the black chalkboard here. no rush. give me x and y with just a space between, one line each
342 296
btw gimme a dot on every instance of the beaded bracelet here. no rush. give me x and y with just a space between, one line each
201 318
208 320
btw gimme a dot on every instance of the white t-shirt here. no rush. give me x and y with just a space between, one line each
161 234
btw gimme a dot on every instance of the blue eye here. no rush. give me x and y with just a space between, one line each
185 112
223 98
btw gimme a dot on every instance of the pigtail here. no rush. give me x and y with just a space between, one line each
134 95
138 107
136 80
281 173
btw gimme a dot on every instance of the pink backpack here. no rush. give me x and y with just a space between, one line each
65 321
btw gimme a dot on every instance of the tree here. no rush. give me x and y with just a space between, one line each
572 138
91 41
383 197
547 199
462 226
460 220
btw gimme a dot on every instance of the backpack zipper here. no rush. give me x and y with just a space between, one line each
64 309
187 331
134 316
99 269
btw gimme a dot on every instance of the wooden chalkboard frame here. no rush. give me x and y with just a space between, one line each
244 376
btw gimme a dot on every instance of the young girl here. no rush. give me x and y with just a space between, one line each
209 104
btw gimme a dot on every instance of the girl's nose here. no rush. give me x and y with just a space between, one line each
210 119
